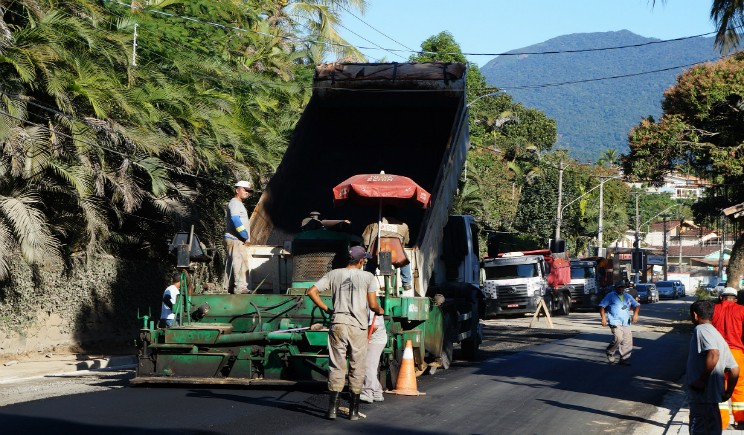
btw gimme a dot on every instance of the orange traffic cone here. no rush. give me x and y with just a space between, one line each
406 383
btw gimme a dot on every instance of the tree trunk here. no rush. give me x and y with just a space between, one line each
736 264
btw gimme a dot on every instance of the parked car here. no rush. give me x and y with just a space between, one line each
667 289
647 293
711 289
719 287
681 290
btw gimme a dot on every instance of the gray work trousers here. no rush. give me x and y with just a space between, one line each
343 341
622 341
372 384
236 266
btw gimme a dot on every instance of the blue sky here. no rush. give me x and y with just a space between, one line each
497 26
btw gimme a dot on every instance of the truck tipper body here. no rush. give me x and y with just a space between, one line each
515 282
403 119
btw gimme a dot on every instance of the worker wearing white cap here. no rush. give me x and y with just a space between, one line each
728 318
237 235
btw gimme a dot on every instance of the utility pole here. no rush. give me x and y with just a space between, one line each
559 219
639 264
723 245
666 248
679 239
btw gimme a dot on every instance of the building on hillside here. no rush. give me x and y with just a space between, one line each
679 186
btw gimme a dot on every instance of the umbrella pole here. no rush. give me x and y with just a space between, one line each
386 279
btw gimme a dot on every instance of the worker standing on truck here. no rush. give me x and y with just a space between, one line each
237 235
390 227
728 318
615 310
169 301
354 292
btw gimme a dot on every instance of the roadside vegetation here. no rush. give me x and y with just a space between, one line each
108 148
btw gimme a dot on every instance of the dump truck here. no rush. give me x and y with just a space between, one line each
404 119
515 282
584 284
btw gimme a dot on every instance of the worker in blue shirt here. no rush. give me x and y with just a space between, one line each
615 310
237 235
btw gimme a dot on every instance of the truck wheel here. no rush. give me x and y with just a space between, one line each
446 358
565 305
447 346
471 346
551 304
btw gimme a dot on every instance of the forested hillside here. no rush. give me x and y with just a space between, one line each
593 115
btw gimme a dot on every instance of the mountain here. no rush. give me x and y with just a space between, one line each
594 115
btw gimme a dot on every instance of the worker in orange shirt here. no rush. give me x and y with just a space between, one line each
728 318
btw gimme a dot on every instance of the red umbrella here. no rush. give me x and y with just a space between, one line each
375 189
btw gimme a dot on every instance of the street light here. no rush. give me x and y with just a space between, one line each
491 94
559 219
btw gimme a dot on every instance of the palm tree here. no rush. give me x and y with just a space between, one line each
729 18
609 158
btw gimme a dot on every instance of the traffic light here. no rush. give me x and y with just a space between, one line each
637 263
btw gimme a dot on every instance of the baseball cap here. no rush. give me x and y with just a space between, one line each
244 184
357 253
729 291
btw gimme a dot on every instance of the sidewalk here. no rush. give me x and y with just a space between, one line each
673 415
51 364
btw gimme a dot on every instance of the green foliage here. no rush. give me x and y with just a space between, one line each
700 133
505 136
102 153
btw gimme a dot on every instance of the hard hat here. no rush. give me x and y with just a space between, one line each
244 184
729 291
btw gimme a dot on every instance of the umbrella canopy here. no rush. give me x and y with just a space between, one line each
376 189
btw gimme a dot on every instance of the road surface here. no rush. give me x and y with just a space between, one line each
536 381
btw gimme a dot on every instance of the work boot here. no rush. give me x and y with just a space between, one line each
354 407
333 405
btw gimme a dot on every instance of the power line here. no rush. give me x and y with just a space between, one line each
341 5
621 76
316 41
382 48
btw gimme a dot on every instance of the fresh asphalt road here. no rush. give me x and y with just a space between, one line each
564 386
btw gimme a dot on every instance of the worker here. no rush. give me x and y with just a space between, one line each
390 227
313 222
709 362
728 318
237 236
377 340
354 292
615 310
169 302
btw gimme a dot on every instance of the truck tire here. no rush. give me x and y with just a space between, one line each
565 304
471 346
447 346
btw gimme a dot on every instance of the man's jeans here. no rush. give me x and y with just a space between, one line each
705 419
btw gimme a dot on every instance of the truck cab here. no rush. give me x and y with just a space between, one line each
584 285
514 283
